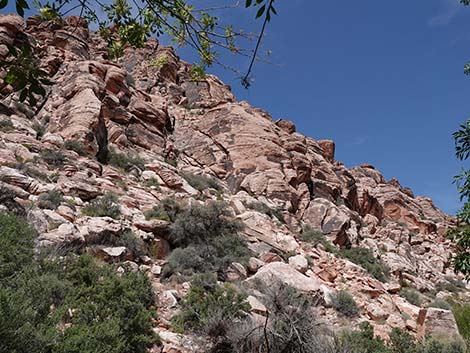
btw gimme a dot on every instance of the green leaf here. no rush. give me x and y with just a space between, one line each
19 10
247 4
260 11
3 3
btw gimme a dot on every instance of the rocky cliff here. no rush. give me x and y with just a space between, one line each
145 107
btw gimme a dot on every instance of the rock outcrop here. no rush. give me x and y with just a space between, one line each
172 125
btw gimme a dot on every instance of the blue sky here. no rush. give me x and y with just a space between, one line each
384 80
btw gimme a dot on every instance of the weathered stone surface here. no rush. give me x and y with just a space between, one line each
434 321
278 271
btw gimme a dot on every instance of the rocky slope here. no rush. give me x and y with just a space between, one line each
150 107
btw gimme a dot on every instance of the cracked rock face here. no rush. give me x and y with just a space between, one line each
173 126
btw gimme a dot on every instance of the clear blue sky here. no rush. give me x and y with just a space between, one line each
383 79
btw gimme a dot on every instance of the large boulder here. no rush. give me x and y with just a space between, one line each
281 272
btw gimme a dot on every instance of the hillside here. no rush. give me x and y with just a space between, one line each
141 132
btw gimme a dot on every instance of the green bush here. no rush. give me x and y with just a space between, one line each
201 182
133 243
440 304
125 162
366 259
76 146
68 305
166 210
201 223
207 240
362 341
411 295
344 303
53 158
462 317
316 236
210 308
6 125
16 245
50 200
263 208
104 206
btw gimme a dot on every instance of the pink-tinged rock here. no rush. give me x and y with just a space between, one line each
299 262
254 264
114 254
66 233
97 230
437 321
157 226
328 148
236 272
286 125
14 177
256 306
376 313
279 271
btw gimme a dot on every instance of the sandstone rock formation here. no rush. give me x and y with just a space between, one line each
177 126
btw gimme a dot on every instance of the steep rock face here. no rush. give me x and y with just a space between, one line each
148 107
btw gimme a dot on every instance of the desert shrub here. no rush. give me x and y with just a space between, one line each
133 243
440 304
450 285
76 146
40 130
291 326
263 208
362 341
201 182
462 317
316 236
16 245
166 210
152 183
104 206
53 158
6 125
366 259
207 238
50 200
72 304
210 308
201 223
124 161
411 295
344 303
213 257
94 309
402 342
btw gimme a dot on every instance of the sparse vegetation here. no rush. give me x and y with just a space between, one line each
6 125
76 146
201 182
50 200
104 206
166 210
125 162
207 240
210 308
316 236
152 183
53 158
440 304
366 259
462 317
263 208
344 303
411 295
40 130
160 62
